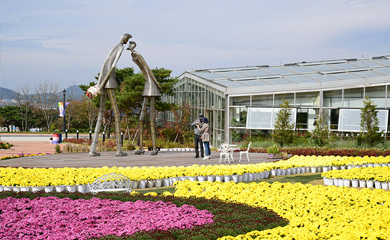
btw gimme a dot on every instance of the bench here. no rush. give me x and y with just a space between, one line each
113 182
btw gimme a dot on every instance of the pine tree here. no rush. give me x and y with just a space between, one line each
284 128
321 131
369 132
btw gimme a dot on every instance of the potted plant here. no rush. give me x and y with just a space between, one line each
57 136
273 152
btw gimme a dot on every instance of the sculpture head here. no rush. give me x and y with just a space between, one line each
132 45
125 38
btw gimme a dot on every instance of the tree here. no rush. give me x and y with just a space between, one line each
284 129
369 129
47 100
11 116
26 103
320 134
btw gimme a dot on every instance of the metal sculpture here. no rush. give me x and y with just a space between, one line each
112 182
151 90
107 85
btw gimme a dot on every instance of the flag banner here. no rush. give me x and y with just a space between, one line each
62 108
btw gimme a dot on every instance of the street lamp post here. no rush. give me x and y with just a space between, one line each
64 126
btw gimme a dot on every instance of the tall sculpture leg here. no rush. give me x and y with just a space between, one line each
141 127
95 138
119 152
152 125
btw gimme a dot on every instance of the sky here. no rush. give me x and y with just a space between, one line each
67 41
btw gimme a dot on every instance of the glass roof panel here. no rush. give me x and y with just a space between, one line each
232 74
385 71
344 76
255 73
299 69
208 75
366 64
346 66
367 74
229 83
322 78
322 68
254 83
299 79
276 81
382 61
277 70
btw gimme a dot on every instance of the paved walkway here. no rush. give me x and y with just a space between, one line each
25 144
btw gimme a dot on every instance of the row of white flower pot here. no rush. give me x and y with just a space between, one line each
61 188
356 183
298 170
211 178
144 183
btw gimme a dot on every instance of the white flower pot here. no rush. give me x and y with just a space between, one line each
134 184
377 185
335 167
362 183
25 189
1 188
350 166
226 178
218 178
183 178
298 170
278 172
240 178
251 177
313 169
16 189
307 169
355 183
70 188
192 178
370 183
150 183
325 168
385 185
293 171
201 178
376 165
303 169
60 188
370 165
49 189
330 182
235 178
335 181
36 189
261 175
273 172
346 182
165 182
174 179
81 188
142 183
158 183
343 167
245 177
7 188
210 178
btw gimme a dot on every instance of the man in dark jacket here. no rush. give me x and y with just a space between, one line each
197 137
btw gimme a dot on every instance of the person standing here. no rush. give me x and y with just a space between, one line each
205 130
197 137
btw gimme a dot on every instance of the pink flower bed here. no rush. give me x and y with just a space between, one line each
56 218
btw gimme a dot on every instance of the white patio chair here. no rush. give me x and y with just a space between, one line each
226 152
246 152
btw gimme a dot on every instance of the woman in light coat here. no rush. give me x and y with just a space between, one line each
205 130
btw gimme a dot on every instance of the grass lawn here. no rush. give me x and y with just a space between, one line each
311 178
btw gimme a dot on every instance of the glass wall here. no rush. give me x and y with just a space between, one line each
333 99
353 98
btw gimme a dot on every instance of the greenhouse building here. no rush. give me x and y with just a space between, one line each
245 100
